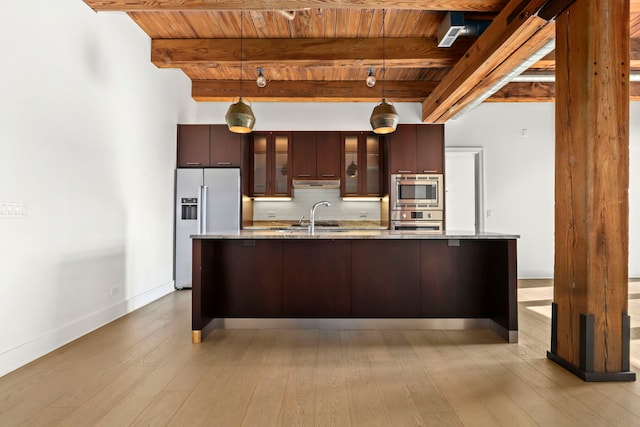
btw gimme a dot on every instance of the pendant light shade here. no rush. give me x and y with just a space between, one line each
384 118
240 117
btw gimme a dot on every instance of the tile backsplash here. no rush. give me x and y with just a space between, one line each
305 198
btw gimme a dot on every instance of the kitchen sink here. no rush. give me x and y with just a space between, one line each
305 230
318 224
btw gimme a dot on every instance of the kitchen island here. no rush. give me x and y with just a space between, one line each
355 279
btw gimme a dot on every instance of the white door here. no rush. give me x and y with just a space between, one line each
462 188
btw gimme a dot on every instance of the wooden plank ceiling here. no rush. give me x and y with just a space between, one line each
320 51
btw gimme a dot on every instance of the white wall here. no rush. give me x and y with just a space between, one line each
519 177
87 144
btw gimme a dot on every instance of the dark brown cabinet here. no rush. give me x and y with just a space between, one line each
270 164
316 154
225 147
385 278
361 164
317 278
208 146
328 155
252 272
455 279
303 152
430 148
193 146
416 149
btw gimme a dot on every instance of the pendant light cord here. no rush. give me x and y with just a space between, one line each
241 55
384 68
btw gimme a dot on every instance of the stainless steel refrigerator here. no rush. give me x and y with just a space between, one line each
207 201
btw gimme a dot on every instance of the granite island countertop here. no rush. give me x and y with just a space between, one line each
331 233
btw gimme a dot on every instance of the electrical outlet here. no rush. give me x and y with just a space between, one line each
115 290
271 214
364 214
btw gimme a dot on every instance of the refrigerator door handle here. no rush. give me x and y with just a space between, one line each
202 215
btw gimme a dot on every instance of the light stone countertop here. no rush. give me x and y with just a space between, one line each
334 234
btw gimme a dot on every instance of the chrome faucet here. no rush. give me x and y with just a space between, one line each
312 215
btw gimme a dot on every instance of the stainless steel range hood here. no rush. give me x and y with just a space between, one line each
315 183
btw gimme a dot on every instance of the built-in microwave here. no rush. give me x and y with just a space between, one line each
416 191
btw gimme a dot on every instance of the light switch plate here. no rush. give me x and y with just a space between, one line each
13 210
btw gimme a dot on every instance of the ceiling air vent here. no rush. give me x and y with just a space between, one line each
454 25
450 28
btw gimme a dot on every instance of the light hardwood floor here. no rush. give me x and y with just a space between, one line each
142 370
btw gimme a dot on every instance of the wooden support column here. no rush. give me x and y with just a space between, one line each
590 326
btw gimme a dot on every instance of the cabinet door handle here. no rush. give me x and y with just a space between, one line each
224 163
328 175
405 171
304 175
430 171
193 163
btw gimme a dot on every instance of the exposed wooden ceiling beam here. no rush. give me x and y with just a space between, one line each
525 92
356 91
193 5
549 61
306 52
310 91
542 92
492 55
496 76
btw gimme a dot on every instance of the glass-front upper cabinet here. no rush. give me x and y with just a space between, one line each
361 164
259 175
271 164
372 155
281 181
351 162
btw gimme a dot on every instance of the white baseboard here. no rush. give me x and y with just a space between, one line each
535 274
29 351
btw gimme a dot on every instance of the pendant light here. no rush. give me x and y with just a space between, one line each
371 79
240 117
384 117
261 81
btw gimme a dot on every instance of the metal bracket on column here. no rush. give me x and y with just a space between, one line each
554 328
626 341
587 339
587 327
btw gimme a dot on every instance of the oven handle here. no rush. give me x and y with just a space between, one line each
417 225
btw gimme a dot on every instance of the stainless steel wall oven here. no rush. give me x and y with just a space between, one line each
417 202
